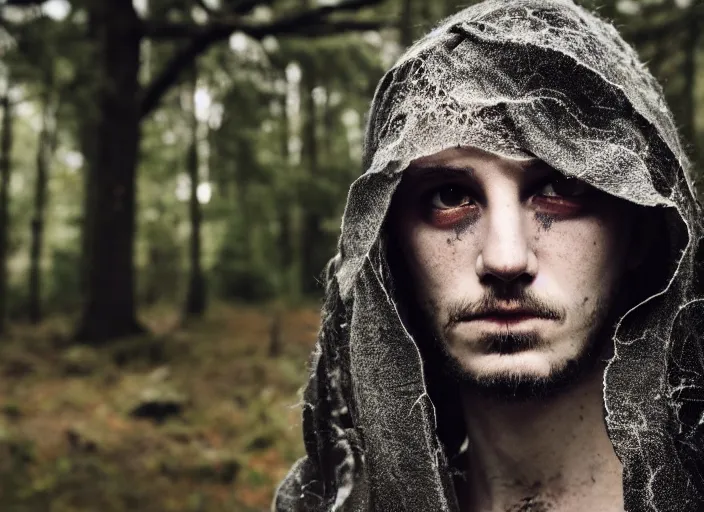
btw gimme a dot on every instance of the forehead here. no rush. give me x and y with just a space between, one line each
478 162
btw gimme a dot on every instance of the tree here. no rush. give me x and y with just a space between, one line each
312 262
109 310
196 295
5 168
45 147
111 98
109 220
691 42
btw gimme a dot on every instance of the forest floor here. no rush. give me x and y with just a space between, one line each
194 417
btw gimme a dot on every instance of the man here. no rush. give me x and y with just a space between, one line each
514 319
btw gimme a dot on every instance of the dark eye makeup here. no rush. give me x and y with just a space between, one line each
453 200
449 204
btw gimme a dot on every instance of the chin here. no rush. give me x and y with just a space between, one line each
529 364
529 374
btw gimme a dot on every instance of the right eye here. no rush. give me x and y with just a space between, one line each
447 197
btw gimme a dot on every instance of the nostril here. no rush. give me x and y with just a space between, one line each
507 274
505 288
502 267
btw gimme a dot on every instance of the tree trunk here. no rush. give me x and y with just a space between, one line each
284 243
44 152
87 139
285 205
328 123
450 7
5 168
109 221
195 298
690 78
311 232
407 32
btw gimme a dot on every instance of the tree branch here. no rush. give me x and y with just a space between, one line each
22 3
222 30
204 6
171 71
245 6
311 23
157 30
324 29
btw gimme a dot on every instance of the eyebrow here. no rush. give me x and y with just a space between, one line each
420 171
540 165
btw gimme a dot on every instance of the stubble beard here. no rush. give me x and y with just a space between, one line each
445 371
511 386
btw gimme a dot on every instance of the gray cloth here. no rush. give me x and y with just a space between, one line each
515 77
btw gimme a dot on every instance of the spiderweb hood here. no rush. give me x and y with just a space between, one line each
515 77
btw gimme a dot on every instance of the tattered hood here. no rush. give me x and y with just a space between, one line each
519 78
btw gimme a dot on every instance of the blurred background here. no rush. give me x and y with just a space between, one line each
172 177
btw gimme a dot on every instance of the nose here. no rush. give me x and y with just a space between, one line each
506 254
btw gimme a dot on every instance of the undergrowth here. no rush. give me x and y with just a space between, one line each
227 431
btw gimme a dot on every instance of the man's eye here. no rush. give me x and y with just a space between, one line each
566 187
450 196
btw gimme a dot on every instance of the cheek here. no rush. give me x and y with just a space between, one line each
582 257
439 261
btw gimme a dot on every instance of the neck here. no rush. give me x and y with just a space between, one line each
554 453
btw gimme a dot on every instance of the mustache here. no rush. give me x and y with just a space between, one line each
495 303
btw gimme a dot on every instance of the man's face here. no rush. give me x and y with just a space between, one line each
513 264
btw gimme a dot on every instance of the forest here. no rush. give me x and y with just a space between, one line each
172 178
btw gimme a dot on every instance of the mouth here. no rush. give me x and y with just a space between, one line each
504 317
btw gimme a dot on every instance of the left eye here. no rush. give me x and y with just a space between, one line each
566 187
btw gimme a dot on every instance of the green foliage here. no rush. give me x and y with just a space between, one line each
278 164
162 267
235 275
64 290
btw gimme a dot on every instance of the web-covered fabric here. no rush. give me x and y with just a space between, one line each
520 78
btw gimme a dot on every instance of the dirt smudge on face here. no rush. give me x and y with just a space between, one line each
531 504
545 220
464 225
